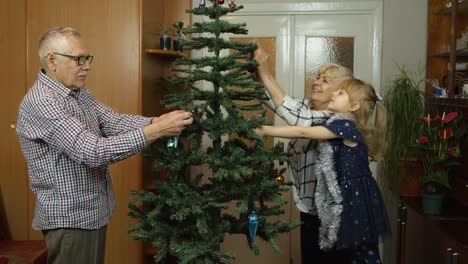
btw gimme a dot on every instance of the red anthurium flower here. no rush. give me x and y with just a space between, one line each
449 117
445 133
429 119
438 147
422 140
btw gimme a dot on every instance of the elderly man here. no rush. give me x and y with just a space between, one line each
298 111
69 139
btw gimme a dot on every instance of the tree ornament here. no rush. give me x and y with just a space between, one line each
172 143
220 2
202 4
232 4
279 178
253 69
253 225
259 117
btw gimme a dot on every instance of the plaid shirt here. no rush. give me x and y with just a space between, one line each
301 166
69 139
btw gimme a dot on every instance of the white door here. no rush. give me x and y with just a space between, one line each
347 39
290 33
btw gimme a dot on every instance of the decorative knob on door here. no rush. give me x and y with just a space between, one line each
13 124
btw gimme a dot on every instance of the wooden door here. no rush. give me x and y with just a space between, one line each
14 189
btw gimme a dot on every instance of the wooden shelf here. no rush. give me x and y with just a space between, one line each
462 9
458 53
169 53
440 105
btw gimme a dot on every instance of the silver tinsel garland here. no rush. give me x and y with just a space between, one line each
328 198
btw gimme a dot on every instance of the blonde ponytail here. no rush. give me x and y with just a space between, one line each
370 117
375 138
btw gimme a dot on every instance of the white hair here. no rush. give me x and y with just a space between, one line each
342 72
55 40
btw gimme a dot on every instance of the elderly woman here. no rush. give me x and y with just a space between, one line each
298 111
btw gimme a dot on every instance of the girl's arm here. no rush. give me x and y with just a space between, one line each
316 132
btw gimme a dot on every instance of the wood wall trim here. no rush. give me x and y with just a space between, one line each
13 176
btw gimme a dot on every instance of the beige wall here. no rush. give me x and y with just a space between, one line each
406 47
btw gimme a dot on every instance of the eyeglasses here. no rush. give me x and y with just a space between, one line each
79 59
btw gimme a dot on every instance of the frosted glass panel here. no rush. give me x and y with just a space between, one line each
324 50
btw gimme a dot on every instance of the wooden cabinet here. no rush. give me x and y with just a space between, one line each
443 239
436 239
447 50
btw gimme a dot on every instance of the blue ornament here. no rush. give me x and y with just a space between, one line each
202 4
253 225
172 143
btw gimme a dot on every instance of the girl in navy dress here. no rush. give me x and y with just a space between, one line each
350 206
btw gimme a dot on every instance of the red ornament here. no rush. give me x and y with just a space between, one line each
253 69
232 5
220 2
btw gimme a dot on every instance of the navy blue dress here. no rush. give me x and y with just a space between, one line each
364 218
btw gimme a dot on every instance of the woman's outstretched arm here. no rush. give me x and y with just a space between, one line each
315 132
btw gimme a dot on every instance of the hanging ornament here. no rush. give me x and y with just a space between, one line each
232 5
172 143
253 69
202 4
220 2
279 178
253 225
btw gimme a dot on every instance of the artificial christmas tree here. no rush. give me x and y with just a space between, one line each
185 216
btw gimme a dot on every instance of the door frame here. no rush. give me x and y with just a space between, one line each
373 8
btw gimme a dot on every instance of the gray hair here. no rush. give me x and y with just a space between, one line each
54 40
343 73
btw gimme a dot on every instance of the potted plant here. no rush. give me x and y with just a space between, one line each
404 102
438 147
165 40
177 42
